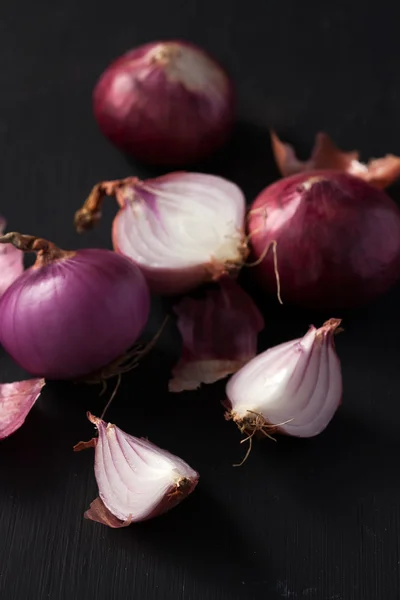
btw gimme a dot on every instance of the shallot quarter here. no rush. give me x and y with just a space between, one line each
181 229
72 313
294 388
137 480
337 240
165 102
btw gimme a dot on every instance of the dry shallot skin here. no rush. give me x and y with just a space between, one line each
16 401
337 240
179 274
137 480
380 172
219 335
294 388
166 102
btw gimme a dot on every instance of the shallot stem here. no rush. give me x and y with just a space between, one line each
90 213
30 243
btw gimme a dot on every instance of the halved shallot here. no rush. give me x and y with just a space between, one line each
181 229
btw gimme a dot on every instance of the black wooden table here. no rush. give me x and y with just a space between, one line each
301 520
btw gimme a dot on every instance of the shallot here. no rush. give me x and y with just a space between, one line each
294 388
137 480
337 240
181 229
74 312
219 335
165 102
11 262
16 401
379 172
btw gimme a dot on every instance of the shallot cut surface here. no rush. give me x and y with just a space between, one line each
181 229
137 480
294 388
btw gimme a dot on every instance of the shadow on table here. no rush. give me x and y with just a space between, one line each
247 160
201 538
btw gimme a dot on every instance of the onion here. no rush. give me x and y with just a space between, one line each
219 335
16 400
165 102
137 480
11 262
181 229
294 388
72 313
379 172
337 239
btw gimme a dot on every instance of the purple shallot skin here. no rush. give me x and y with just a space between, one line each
337 239
74 315
165 103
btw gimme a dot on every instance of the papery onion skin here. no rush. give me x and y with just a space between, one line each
137 480
16 401
71 316
379 172
219 335
337 240
294 388
159 223
166 102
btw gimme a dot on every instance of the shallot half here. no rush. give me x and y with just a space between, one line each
165 102
181 229
72 313
294 388
137 480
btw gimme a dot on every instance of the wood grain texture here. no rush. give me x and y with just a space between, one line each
301 520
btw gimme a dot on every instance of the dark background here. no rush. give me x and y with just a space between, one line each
302 519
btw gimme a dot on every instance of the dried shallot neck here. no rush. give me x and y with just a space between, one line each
46 251
90 213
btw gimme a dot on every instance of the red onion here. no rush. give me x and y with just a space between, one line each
72 313
181 229
379 172
11 262
16 400
137 480
219 335
165 102
337 239
294 388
